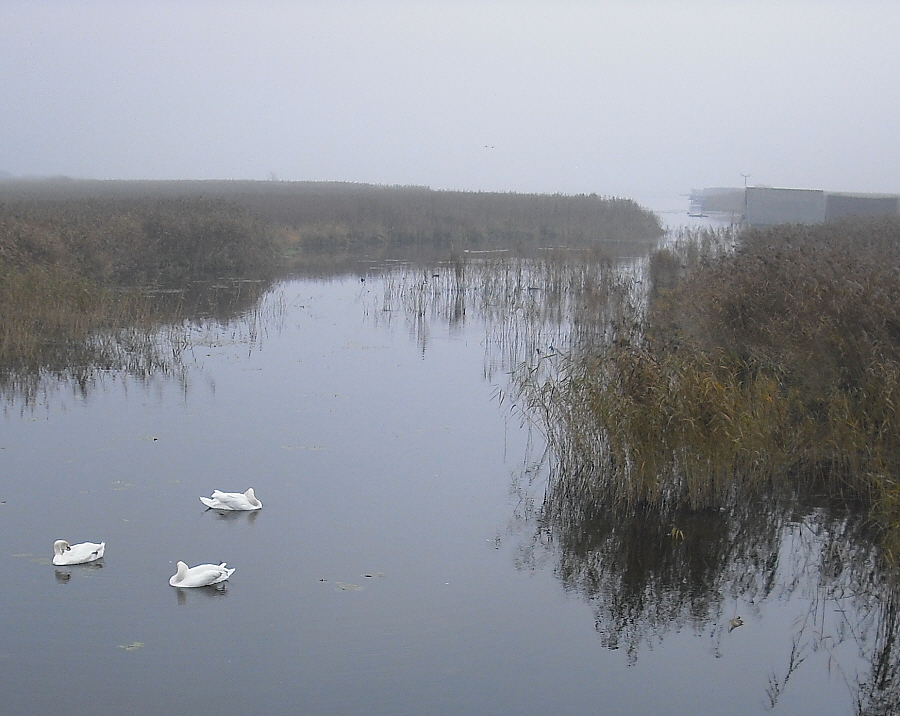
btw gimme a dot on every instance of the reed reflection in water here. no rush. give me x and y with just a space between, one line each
154 336
649 574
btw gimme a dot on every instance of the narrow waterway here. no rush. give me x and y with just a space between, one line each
400 564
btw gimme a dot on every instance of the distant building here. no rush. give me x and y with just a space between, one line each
765 206
717 200
838 206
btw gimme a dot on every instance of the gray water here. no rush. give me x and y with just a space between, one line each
398 565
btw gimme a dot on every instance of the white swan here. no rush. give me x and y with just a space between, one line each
65 553
200 576
232 500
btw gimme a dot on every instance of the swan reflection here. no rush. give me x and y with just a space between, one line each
235 516
213 591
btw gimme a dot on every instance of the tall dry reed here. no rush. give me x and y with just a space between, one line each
773 366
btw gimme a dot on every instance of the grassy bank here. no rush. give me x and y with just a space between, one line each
770 368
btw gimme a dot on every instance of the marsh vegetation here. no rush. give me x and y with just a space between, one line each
715 414
99 283
333 225
770 367
724 365
90 271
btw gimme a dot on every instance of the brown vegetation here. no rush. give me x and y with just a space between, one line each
85 265
133 242
341 223
774 366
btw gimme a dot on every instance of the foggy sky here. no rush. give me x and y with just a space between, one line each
640 99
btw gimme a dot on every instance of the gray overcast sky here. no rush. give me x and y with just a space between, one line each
634 98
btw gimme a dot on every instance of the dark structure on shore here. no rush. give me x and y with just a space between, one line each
765 206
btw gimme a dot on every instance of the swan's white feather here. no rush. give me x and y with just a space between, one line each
232 500
200 576
65 553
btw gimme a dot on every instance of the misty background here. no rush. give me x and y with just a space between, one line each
639 99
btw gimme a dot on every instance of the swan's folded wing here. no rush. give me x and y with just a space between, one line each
208 501
230 500
222 574
85 552
201 575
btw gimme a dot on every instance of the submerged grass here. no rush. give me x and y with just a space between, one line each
61 327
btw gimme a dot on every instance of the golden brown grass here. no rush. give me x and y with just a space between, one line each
771 367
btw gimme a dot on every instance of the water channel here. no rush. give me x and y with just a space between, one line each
402 562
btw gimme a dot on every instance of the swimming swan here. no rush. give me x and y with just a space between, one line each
200 576
65 553
232 500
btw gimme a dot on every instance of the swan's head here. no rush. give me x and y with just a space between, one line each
251 496
60 546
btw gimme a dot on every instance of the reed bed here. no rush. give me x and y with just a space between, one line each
134 241
333 225
88 265
535 307
96 284
773 366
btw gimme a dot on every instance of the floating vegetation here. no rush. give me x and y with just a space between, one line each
347 587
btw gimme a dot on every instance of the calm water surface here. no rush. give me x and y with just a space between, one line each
397 567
